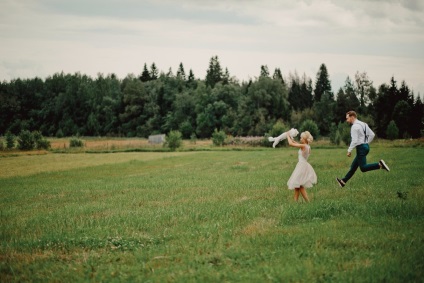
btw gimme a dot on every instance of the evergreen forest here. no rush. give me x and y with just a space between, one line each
156 102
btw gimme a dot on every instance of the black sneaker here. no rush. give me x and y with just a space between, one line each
384 165
341 183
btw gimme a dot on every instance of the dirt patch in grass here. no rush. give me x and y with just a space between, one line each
259 226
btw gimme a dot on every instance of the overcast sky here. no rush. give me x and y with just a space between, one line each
383 38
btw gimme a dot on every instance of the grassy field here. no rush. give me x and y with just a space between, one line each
210 216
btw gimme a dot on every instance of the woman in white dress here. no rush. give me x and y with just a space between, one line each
303 176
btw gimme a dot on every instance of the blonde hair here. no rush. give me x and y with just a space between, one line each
307 136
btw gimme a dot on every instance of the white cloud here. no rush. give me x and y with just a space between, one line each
383 38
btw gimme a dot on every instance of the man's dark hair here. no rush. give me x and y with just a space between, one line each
351 113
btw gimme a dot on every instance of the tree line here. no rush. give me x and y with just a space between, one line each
158 102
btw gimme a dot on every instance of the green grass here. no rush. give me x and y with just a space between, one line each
210 216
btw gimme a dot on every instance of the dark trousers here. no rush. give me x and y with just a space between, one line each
361 162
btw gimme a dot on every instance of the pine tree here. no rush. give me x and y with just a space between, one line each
181 73
295 92
277 74
352 101
306 92
191 80
170 74
154 72
402 116
191 77
322 84
226 77
214 72
341 106
264 71
145 75
417 121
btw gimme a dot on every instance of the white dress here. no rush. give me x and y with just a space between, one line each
303 175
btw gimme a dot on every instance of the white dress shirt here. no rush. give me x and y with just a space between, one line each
357 132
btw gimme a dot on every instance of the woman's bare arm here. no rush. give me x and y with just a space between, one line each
293 143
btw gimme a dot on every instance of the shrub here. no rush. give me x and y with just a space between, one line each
173 140
311 126
1 145
297 117
40 141
247 141
37 136
337 138
340 133
186 129
76 142
26 140
333 134
59 134
278 128
43 144
29 140
193 138
10 140
392 131
218 137
344 131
